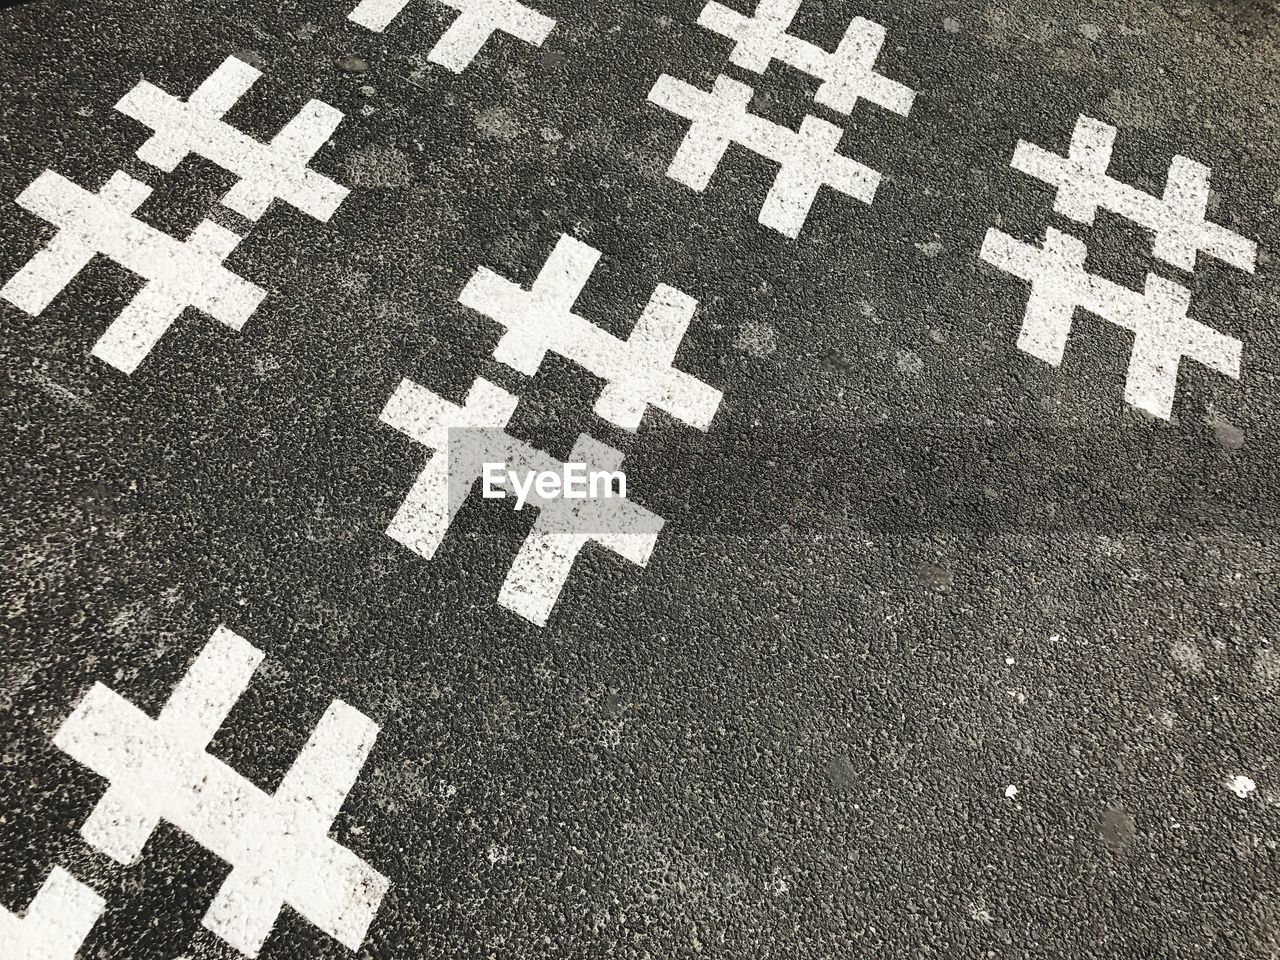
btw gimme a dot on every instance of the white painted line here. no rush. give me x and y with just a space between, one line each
477 21
807 158
1157 317
180 274
278 846
278 170
760 38
56 923
376 15
85 223
639 371
1178 219
541 568
543 565
847 74
427 418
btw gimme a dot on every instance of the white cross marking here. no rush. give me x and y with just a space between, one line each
477 21
55 925
544 562
807 158
478 426
278 846
267 172
1157 317
427 418
847 74
179 274
639 371
1178 219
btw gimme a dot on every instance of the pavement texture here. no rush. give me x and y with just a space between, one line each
944 651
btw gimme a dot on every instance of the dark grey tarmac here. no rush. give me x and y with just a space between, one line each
908 568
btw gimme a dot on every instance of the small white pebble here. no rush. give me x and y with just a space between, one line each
1008 661
1010 792
1241 786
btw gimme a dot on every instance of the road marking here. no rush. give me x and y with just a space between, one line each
1157 317
1178 219
428 419
807 158
847 74
546 558
278 170
277 845
56 923
477 21
464 437
180 274
639 371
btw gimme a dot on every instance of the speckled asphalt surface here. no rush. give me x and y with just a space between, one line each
908 568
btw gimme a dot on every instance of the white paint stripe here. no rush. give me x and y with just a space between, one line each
639 371
45 275
759 37
477 21
292 181
425 417
128 812
542 567
130 338
56 923
322 881
138 247
539 572
376 14
716 122
1178 219
217 94
277 170
1163 333
807 158
180 274
653 380
278 846
544 563
222 89
38 283
848 73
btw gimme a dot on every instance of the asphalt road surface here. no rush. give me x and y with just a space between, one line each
944 650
